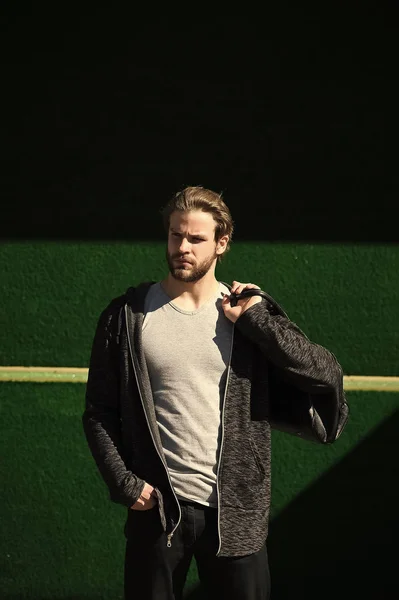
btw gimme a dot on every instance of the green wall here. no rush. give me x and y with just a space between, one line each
61 536
345 297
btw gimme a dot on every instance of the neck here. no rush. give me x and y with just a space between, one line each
196 292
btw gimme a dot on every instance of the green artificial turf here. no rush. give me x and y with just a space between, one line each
61 536
345 297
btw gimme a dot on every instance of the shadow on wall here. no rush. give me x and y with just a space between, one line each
340 535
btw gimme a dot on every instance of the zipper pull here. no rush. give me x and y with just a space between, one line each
169 542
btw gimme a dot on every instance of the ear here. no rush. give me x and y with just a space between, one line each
222 244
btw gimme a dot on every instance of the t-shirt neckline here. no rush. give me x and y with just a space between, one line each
213 297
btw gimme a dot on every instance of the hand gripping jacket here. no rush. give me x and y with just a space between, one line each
316 417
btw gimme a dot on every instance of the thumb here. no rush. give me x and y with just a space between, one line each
147 490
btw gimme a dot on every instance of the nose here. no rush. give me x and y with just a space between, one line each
184 246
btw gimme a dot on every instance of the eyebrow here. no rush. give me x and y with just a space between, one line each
192 235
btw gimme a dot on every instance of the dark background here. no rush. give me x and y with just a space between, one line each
290 112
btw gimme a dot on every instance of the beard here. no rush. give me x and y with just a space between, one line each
192 274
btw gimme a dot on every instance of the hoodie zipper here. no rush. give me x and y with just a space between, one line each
171 534
221 441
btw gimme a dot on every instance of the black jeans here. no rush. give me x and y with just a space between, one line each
155 572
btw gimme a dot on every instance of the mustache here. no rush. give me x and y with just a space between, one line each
181 258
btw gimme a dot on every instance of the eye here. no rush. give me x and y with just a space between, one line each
198 239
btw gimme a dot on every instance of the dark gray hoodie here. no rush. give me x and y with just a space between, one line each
272 362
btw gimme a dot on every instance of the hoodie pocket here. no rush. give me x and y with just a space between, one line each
257 458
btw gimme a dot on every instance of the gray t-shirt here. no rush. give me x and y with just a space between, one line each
188 353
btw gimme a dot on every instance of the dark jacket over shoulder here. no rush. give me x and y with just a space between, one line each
120 422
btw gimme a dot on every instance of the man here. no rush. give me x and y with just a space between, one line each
177 406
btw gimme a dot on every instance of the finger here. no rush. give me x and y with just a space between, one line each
226 301
247 286
234 286
240 287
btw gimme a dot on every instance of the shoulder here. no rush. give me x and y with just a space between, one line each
110 317
134 296
113 307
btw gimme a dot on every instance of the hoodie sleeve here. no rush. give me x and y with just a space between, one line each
101 418
305 364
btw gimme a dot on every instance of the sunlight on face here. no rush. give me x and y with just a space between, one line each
191 250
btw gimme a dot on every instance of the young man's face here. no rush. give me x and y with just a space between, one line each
191 250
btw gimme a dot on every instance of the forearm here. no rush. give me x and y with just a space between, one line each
104 439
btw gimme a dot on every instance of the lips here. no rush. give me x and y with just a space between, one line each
183 261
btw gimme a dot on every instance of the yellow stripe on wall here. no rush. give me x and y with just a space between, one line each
79 375
44 374
371 383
